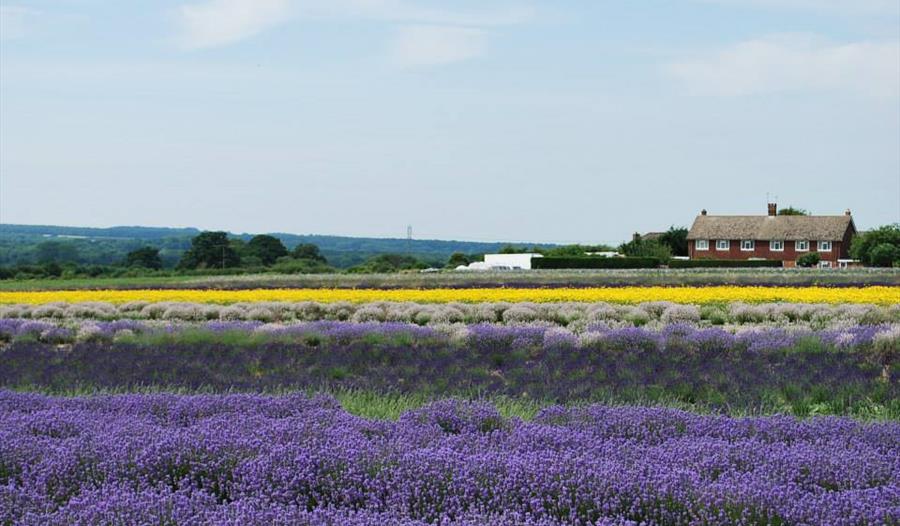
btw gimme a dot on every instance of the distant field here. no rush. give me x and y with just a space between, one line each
514 279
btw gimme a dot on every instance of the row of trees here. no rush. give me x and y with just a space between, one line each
216 250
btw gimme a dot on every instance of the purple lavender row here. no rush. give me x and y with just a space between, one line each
568 314
250 459
753 338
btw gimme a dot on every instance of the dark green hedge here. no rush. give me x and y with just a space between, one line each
727 263
558 262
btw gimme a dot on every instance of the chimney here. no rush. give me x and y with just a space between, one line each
636 237
847 212
773 209
703 212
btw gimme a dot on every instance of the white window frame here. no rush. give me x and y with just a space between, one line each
772 243
726 244
701 244
804 248
823 244
824 264
748 245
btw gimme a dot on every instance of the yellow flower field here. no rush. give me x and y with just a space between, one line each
876 295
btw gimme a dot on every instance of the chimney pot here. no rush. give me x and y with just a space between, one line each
703 212
847 212
773 209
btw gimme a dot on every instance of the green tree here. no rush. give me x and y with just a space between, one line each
55 252
457 259
289 265
210 250
512 249
885 255
791 211
267 248
308 251
646 248
676 240
241 249
53 269
387 263
863 244
575 250
145 257
809 260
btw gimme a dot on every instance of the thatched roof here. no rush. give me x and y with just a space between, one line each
764 228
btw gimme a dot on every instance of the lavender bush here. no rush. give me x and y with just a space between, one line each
254 460
836 371
753 336
572 315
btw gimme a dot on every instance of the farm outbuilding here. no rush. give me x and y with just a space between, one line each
502 262
510 261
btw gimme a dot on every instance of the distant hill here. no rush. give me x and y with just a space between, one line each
18 244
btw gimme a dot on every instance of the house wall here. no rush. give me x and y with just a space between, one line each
761 251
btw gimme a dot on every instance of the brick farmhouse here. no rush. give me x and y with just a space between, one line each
772 236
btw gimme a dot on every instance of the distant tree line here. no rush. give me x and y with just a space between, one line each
208 253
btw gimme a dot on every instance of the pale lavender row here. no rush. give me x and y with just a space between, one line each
249 459
567 314
754 339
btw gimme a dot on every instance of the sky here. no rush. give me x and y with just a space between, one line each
563 121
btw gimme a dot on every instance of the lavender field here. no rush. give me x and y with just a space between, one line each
433 263
458 414
250 459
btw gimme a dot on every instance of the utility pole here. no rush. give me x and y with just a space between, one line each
408 240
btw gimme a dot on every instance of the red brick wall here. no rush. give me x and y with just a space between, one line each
761 251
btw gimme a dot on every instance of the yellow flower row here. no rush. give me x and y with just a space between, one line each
876 295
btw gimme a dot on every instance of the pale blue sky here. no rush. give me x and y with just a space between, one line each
545 121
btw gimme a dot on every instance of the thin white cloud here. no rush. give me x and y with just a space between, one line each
426 45
219 22
14 21
428 36
786 63
844 7
407 12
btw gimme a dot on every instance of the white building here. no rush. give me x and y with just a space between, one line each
502 262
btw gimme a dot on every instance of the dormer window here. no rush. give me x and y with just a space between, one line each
748 245
801 246
776 245
824 246
722 244
701 244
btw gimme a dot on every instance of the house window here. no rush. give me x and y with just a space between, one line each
748 244
776 245
824 264
701 244
722 244
801 246
824 246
